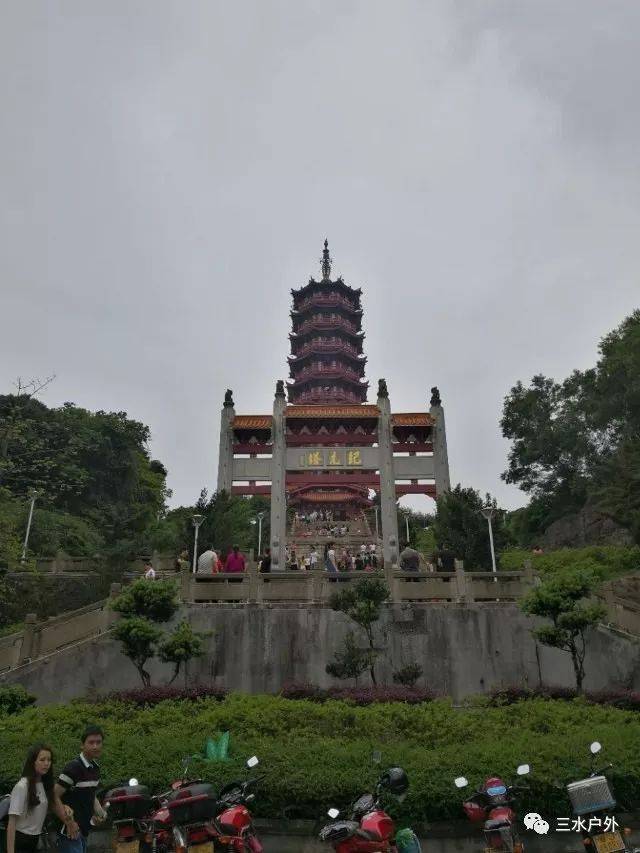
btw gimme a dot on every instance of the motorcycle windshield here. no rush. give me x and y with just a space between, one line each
497 791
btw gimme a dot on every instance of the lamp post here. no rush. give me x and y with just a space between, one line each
488 512
260 516
197 521
406 521
375 509
32 494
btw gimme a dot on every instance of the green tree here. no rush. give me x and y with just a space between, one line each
156 600
181 646
91 465
139 639
460 524
350 661
362 603
562 599
578 440
143 604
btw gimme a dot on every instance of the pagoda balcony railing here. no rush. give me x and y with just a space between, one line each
326 397
343 440
339 371
328 323
320 301
321 345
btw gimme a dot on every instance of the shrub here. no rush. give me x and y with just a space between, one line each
408 675
357 695
318 754
14 698
606 562
147 697
626 700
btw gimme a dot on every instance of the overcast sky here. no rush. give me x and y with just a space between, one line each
169 171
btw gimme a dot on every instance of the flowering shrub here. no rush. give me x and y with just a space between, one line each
627 700
149 696
358 695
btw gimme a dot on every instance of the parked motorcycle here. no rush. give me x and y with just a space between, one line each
493 805
369 828
188 818
130 806
593 804
191 818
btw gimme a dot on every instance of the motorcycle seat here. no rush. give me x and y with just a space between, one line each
367 835
497 823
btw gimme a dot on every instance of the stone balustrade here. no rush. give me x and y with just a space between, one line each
317 586
40 639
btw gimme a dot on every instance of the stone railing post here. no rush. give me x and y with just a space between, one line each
315 586
529 576
255 587
28 648
186 579
463 583
108 614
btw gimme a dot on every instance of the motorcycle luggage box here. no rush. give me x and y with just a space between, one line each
129 802
192 804
339 831
591 795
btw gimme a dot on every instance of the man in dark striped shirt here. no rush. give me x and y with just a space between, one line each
77 787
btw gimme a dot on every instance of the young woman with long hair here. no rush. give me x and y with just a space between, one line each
32 797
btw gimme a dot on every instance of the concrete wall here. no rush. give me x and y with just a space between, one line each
463 649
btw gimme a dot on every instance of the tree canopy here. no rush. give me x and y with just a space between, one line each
460 525
578 440
92 470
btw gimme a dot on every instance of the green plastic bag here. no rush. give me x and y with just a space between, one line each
407 841
216 750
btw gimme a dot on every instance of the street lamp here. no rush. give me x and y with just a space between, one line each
488 512
197 521
260 516
33 494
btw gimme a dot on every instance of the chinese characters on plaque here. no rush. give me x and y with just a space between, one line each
332 458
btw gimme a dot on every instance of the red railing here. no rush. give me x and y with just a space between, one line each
321 301
326 323
324 346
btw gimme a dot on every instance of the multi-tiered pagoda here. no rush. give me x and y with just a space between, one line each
326 447
326 362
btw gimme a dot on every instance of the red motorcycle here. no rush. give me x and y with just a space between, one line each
370 829
493 806
188 817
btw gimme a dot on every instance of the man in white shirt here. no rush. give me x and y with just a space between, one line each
206 561
150 572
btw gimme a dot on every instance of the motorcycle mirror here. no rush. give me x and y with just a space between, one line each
595 747
523 770
133 783
333 813
253 761
460 782
376 756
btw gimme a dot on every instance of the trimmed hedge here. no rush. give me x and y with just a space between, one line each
318 754
626 700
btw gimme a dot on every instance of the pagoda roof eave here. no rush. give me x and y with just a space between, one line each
336 411
327 283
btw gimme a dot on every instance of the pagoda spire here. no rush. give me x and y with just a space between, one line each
326 262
